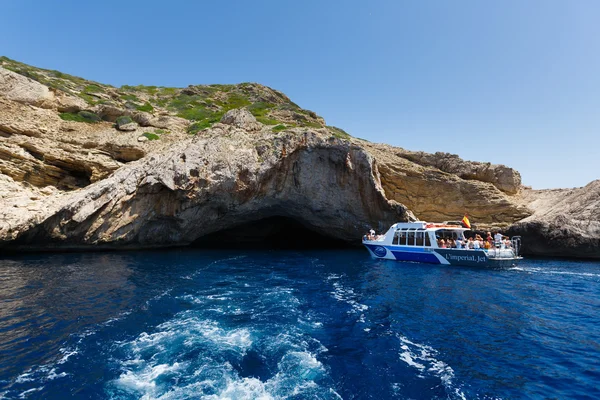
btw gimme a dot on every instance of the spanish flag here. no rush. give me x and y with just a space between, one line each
465 222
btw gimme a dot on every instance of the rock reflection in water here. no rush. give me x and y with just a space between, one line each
60 293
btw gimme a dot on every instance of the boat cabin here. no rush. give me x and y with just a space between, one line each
423 234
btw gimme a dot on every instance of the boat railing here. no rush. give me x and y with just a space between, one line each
371 238
516 244
509 251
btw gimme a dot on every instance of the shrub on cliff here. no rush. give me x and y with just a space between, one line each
203 124
124 120
147 107
260 110
81 116
151 136
339 132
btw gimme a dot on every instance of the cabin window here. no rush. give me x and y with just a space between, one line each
396 237
403 238
427 240
410 239
419 238
447 234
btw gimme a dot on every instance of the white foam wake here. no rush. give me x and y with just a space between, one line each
348 296
194 356
539 270
423 358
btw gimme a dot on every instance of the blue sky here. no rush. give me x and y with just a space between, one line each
511 82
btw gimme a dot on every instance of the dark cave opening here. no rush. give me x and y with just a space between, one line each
270 233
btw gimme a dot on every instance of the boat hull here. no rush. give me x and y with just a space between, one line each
464 257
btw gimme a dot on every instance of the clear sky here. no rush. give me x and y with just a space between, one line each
512 82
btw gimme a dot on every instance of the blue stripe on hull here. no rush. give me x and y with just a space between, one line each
417 257
462 257
412 254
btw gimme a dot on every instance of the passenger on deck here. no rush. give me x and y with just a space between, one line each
470 244
458 243
498 239
507 242
442 244
476 244
372 234
489 238
487 244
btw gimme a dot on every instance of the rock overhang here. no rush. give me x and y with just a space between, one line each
58 189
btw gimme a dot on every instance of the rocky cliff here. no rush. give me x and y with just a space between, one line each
565 222
87 165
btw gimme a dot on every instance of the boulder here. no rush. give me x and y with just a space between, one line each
130 127
20 119
19 88
168 122
68 103
142 118
110 112
126 124
241 118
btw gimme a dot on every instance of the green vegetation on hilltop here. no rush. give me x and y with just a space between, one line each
260 110
339 133
54 79
202 105
152 90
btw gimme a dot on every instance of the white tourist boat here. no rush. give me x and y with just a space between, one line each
422 242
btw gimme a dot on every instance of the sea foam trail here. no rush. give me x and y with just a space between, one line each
423 358
197 354
347 295
418 356
39 375
539 270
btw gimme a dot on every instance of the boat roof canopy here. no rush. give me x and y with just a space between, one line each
428 225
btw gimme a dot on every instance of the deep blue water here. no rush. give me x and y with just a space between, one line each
282 324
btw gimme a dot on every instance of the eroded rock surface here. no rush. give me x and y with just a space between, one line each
433 192
216 182
205 159
566 222
19 88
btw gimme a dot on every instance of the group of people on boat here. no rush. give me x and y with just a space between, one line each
371 235
497 241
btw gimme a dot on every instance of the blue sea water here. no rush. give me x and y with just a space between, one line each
329 324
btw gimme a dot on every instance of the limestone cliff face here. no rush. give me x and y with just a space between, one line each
223 179
566 222
443 187
86 165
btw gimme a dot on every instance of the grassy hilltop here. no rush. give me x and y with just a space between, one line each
202 105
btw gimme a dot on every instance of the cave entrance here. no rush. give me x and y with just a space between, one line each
270 233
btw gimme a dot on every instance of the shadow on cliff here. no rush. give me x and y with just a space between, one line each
271 233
